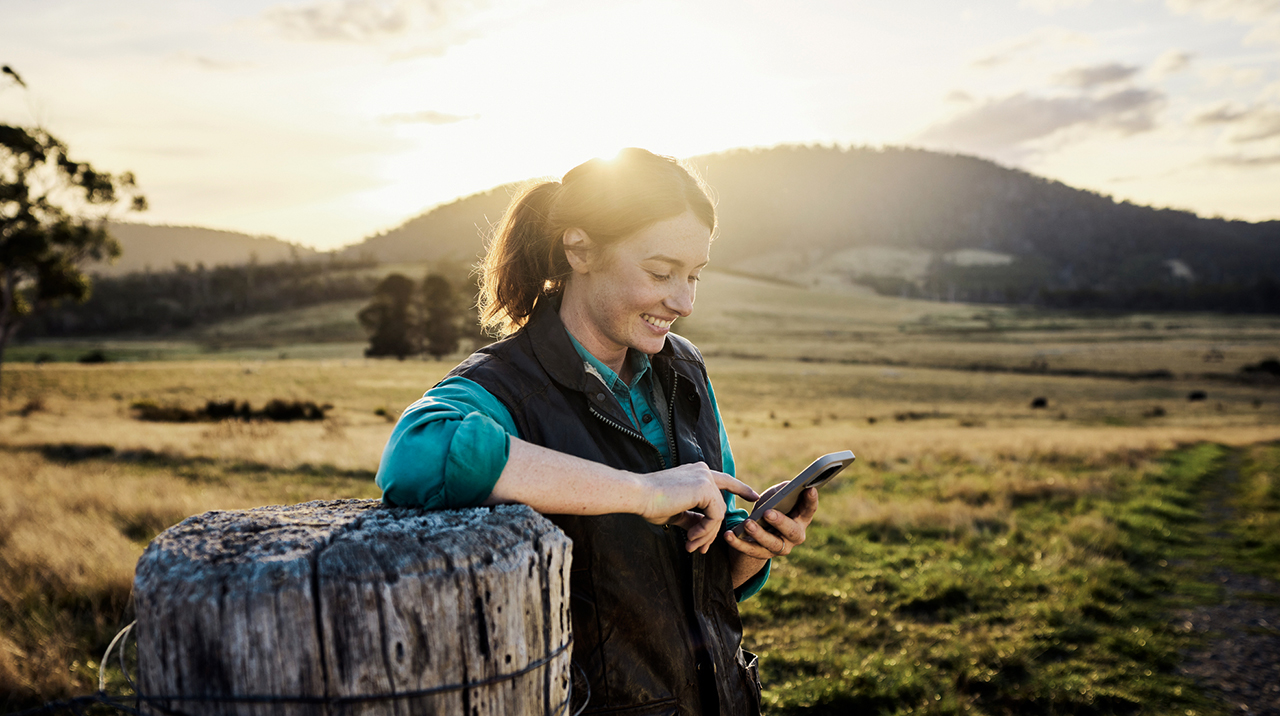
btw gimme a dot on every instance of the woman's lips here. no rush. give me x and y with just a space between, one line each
660 324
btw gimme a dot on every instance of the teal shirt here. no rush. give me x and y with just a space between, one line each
637 400
448 449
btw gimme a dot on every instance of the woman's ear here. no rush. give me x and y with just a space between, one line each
577 249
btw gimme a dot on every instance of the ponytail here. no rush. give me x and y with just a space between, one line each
607 199
524 260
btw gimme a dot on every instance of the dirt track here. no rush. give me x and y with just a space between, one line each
1240 663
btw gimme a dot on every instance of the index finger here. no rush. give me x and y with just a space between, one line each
736 486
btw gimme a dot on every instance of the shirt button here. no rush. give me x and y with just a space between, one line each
647 418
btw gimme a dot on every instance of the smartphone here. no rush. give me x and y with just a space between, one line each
819 473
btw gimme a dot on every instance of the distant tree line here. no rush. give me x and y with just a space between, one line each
186 296
405 318
1029 281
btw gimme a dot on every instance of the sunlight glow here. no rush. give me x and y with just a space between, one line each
241 116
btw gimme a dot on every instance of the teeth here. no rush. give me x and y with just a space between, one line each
657 322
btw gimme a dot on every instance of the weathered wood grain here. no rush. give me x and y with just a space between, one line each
352 599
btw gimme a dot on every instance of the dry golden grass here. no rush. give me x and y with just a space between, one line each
779 414
70 535
736 315
968 450
90 405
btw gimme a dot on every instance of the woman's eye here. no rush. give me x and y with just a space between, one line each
660 276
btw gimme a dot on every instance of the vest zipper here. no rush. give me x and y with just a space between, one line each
625 431
671 418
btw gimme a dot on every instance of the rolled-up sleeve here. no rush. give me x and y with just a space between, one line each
448 449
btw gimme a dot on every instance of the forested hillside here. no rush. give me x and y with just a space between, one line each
896 218
148 303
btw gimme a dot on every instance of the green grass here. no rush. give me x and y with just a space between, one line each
1255 526
1059 607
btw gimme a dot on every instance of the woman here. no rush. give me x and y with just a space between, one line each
592 412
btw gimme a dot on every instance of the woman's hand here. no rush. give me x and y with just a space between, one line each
788 531
689 496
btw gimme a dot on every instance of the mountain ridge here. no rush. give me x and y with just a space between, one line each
893 218
817 202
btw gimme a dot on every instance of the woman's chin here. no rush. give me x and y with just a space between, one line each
651 340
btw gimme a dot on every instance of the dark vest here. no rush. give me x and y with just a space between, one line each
655 629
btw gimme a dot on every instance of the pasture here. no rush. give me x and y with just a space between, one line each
983 556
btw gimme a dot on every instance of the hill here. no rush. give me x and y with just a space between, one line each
451 232
159 248
913 222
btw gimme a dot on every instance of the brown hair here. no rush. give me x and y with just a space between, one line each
607 199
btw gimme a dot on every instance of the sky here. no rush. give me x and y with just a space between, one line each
325 121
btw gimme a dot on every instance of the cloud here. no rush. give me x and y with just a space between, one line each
1264 15
1052 6
1238 160
1224 75
429 116
1045 37
1230 9
1247 124
1096 76
364 21
1171 62
1008 124
340 20
208 63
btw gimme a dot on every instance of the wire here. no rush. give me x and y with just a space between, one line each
76 704
585 683
102 665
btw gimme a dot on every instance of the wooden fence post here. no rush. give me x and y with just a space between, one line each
344 607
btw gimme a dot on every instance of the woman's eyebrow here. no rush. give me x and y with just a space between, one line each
673 261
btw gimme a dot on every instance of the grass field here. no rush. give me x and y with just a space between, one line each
983 556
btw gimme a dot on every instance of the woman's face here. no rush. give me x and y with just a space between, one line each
632 292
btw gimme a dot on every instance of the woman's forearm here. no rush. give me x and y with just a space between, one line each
743 567
558 484
553 482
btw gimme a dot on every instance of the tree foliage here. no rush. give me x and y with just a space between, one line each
53 212
391 319
440 327
404 319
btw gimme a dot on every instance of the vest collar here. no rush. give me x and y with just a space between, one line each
556 353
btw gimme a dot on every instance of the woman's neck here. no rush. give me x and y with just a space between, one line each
577 321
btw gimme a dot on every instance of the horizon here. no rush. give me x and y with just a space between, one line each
325 122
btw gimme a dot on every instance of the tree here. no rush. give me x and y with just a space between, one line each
390 319
53 219
440 329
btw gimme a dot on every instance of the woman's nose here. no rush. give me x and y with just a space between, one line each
681 300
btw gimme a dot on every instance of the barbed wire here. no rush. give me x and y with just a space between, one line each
162 703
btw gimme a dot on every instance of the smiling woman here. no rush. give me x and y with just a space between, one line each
594 413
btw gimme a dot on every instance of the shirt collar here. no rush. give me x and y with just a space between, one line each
639 366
